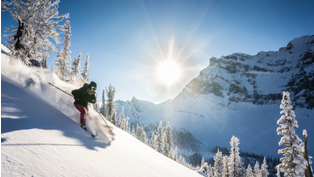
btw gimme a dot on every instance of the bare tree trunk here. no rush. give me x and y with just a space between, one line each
19 34
307 171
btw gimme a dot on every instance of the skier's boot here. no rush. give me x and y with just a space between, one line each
84 127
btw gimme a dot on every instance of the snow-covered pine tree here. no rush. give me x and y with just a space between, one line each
85 71
160 140
121 117
137 132
175 154
75 69
103 105
110 106
168 140
202 161
183 162
218 165
152 141
264 169
257 171
129 126
203 168
114 116
249 171
292 164
308 171
38 21
164 143
225 171
62 68
235 162
144 139
141 134
170 155
64 57
179 160
125 125
210 172
120 121
133 132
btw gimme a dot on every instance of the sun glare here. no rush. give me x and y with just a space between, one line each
169 72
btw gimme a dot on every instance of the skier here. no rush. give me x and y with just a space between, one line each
82 97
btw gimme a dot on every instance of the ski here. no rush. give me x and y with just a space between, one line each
91 134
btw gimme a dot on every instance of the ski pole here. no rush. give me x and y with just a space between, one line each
103 119
60 89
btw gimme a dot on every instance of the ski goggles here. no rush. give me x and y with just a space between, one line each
93 88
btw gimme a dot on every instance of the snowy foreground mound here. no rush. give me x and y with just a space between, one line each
40 135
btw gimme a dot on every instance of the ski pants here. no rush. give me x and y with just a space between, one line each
83 110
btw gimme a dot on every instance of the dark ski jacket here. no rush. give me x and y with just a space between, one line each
82 97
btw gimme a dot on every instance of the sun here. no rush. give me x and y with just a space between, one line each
169 72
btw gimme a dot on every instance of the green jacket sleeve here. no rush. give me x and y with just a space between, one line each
92 99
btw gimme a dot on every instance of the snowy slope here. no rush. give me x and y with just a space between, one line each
40 135
240 95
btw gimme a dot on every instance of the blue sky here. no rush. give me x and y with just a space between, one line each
126 40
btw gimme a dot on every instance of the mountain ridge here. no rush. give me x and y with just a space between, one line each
242 86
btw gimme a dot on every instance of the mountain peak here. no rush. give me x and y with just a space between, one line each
134 99
299 43
260 79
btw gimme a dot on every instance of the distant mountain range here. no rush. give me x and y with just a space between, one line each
239 95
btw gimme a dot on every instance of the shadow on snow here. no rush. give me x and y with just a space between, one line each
23 110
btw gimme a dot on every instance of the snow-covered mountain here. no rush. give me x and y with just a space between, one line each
40 135
239 95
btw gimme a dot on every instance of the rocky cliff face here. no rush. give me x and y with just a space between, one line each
261 78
